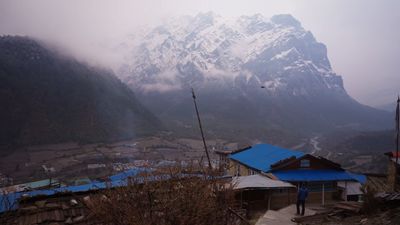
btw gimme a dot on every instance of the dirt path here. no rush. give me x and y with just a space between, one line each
281 217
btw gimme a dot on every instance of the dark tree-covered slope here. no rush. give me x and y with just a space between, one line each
49 98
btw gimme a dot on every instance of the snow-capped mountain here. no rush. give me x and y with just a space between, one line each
250 49
248 69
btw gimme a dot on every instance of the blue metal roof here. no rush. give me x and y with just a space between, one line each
262 156
10 201
305 175
127 173
361 178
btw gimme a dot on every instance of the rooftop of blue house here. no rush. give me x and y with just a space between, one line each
326 180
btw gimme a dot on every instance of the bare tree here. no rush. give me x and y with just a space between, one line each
173 197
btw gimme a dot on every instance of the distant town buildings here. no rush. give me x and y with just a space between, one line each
262 177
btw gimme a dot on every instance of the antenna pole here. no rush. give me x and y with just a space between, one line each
397 130
201 130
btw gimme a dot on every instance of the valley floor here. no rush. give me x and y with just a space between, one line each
71 161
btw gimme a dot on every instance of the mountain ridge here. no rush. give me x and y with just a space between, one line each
172 50
265 68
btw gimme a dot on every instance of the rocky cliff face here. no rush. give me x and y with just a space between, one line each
250 71
49 98
276 53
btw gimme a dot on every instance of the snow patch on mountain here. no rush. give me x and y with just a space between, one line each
198 50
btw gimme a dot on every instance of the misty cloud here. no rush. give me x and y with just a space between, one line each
163 82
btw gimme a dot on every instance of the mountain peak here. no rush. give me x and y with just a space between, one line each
255 17
252 50
285 20
205 18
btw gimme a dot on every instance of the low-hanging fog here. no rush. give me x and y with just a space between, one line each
361 35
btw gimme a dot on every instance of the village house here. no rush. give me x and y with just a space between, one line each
393 177
35 185
263 177
71 204
327 181
257 193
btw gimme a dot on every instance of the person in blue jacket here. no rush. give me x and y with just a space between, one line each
302 195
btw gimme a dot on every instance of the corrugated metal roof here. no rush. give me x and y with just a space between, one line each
361 178
258 182
10 201
262 156
40 183
30 186
312 175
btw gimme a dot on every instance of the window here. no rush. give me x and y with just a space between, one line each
237 172
304 163
251 172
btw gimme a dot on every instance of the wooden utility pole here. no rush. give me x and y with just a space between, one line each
396 154
397 131
201 130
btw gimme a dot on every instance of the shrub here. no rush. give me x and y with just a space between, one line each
173 197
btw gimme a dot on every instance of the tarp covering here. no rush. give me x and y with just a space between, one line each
312 175
258 182
352 187
262 156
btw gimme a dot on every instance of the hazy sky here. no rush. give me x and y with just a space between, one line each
362 36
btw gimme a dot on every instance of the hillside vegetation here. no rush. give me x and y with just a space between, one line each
49 98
